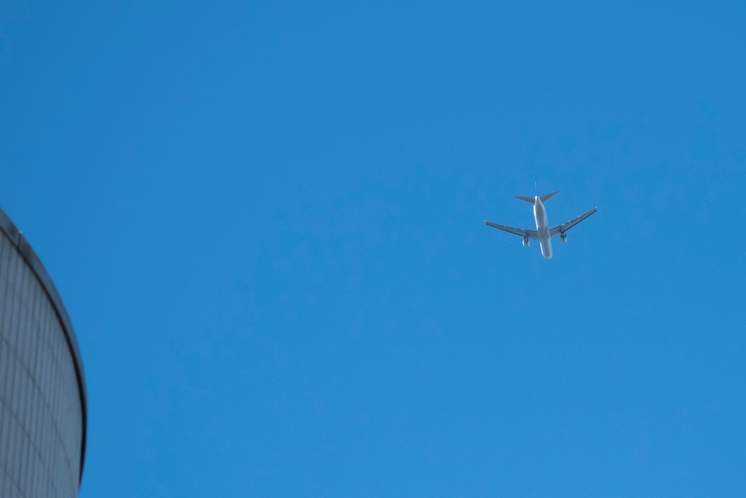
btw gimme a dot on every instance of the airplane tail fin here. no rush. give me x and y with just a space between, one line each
530 200
545 198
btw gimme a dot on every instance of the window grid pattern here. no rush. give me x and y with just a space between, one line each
41 426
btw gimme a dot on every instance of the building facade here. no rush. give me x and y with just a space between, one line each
43 412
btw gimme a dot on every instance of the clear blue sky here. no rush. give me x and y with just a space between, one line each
266 222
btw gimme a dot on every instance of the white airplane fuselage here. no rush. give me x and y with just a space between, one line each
542 226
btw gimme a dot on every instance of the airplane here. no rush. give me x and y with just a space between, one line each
543 233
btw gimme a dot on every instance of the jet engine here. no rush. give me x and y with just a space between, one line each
563 237
526 242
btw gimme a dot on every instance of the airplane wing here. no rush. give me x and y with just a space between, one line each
566 226
531 234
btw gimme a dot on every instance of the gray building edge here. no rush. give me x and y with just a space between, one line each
33 261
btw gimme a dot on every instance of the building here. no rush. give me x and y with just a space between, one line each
42 389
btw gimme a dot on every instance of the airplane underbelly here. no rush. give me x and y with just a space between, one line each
546 250
542 227
545 242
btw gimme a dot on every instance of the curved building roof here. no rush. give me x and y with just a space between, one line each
33 261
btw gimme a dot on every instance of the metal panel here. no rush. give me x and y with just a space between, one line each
42 389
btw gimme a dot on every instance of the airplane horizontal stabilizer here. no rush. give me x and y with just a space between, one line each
545 198
530 200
